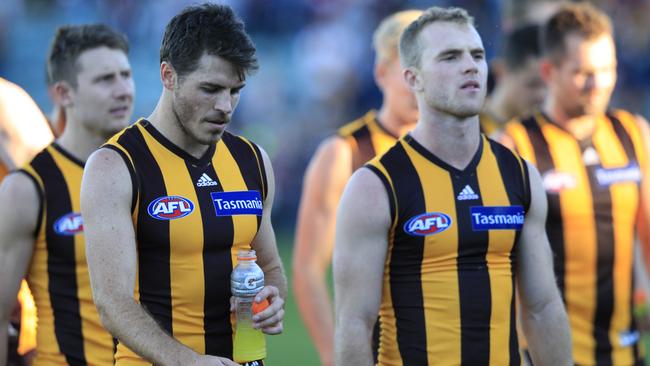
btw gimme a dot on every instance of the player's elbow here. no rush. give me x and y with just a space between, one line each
109 307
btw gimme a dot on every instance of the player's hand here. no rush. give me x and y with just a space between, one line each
206 360
270 319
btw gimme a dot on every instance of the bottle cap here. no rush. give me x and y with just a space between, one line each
246 255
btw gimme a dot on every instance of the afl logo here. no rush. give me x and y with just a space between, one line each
69 225
427 224
170 208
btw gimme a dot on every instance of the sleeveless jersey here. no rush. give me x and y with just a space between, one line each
69 330
593 192
367 138
190 216
448 291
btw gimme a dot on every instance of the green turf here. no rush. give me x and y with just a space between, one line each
293 346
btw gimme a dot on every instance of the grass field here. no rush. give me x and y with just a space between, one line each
293 347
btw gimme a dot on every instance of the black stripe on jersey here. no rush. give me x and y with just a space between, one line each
153 256
364 146
39 191
517 187
473 276
262 169
389 191
134 178
217 266
554 223
248 164
61 262
623 137
405 280
602 202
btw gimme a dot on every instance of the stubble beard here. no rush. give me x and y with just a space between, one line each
189 134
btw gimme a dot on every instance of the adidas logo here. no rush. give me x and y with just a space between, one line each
467 194
205 181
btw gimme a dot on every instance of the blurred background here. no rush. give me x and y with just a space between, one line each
315 74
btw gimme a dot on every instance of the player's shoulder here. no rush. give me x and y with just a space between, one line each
350 128
19 192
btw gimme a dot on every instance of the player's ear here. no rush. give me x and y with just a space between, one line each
546 69
168 75
60 92
380 72
498 68
412 78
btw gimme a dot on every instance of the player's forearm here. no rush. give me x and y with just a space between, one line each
312 297
548 334
352 343
274 276
135 328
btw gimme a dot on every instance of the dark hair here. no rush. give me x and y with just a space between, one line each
71 41
580 18
210 28
409 45
520 44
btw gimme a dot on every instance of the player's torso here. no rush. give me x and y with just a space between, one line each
191 217
593 191
448 281
69 329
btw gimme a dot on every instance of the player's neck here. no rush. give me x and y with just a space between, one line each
581 127
451 139
393 122
164 120
77 140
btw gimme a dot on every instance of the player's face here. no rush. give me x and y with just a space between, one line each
205 99
397 93
103 98
527 89
453 70
583 81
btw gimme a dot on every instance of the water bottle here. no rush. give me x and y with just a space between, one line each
246 280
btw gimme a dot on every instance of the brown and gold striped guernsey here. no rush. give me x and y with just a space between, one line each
69 330
367 138
593 192
448 291
191 216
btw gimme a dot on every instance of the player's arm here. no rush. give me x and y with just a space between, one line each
269 320
328 171
544 319
643 219
363 222
19 213
106 195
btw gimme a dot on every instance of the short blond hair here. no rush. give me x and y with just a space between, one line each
385 40
410 51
